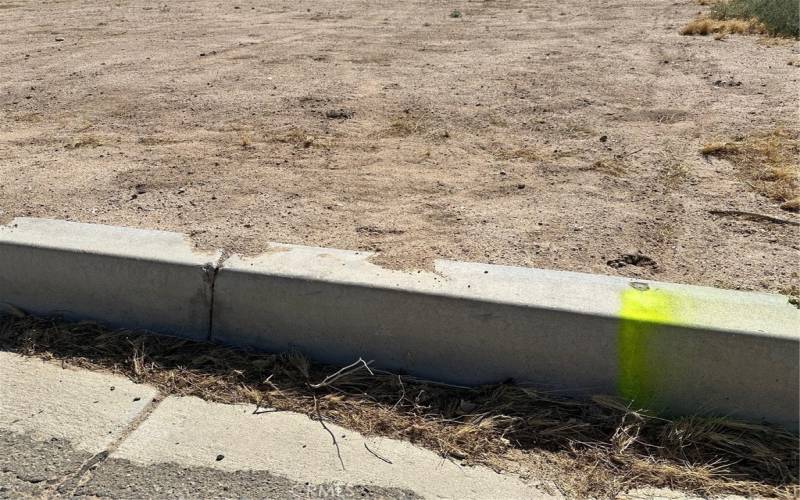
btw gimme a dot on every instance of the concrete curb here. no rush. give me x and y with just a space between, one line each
675 348
126 278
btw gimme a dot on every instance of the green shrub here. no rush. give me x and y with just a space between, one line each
780 17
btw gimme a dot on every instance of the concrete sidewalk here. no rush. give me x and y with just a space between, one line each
68 432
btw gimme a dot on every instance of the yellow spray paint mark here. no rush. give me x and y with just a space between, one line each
641 314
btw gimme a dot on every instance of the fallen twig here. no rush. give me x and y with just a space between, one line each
340 373
322 422
754 216
376 455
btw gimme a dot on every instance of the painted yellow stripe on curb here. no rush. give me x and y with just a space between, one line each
641 314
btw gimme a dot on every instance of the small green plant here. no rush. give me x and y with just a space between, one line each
779 17
455 13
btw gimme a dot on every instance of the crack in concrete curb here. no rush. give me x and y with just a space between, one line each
211 271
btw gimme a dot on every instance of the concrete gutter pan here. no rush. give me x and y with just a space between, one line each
677 349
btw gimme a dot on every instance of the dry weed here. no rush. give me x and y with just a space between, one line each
84 141
707 26
525 153
245 140
610 166
675 175
769 162
296 137
592 448
406 125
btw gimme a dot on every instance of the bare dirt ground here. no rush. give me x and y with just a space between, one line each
554 134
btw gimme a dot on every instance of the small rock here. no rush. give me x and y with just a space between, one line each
603 138
220 457
520 186
59 39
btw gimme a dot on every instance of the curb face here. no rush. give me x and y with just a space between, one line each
678 349
126 278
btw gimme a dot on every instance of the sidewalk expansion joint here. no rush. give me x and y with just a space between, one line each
84 473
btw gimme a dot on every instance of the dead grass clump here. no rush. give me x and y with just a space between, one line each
715 148
296 137
525 153
84 142
779 18
792 205
708 26
675 175
406 125
615 167
769 162
596 447
246 140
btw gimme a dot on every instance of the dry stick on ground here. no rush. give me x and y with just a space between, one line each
322 422
754 217
376 455
588 448
351 368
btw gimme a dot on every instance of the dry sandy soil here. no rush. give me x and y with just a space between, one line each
555 134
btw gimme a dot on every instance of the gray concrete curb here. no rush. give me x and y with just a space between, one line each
123 277
675 348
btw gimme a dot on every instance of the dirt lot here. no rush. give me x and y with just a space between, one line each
555 134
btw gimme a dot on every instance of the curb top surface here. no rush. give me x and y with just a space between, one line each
134 243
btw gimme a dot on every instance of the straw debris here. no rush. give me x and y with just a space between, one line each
769 162
599 447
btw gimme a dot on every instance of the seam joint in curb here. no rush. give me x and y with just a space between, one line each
211 270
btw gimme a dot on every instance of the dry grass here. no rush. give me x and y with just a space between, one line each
708 26
295 136
778 18
525 153
769 162
84 142
406 125
675 175
245 139
609 166
599 447
417 120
